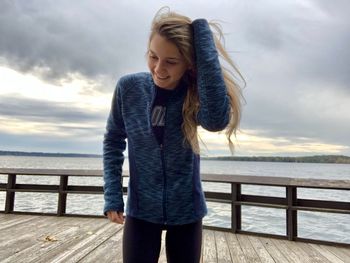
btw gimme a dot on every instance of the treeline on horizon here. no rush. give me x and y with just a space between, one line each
303 159
44 154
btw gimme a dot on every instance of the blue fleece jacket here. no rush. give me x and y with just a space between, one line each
165 185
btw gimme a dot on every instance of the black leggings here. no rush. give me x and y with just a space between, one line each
142 242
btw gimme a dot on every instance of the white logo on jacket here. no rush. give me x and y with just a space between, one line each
158 116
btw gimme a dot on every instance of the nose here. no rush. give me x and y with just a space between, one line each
159 68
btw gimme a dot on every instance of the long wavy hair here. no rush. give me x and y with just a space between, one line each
177 29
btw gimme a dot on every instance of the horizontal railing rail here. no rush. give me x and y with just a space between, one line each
290 202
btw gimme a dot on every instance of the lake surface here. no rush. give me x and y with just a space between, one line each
326 226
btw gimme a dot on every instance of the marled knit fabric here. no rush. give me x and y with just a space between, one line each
164 185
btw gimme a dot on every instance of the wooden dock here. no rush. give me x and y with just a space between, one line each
35 238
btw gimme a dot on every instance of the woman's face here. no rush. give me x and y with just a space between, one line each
165 62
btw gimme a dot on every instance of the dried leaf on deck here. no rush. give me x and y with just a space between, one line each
50 239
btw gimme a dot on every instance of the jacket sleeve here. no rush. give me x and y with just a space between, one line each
214 106
113 158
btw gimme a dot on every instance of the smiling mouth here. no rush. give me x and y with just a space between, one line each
159 78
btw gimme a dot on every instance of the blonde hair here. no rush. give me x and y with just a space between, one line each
177 29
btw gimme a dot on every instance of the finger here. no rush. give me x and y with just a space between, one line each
112 215
120 218
115 217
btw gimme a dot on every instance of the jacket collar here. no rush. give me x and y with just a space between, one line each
180 89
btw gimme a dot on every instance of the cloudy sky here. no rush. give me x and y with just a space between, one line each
60 60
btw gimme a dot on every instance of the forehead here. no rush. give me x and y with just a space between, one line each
162 47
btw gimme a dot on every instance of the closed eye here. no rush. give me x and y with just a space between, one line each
170 62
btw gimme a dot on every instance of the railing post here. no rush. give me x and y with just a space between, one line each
292 224
62 196
10 195
235 208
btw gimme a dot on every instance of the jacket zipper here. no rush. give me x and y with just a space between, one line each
164 171
161 146
165 184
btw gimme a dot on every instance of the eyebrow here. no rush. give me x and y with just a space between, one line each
175 58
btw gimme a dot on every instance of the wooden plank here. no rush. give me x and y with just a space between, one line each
74 231
324 210
62 197
10 220
15 232
97 240
162 254
327 254
10 196
337 251
286 251
37 245
291 215
77 251
110 251
321 183
312 253
262 205
324 204
247 248
346 250
21 239
202 248
53 172
261 250
85 247
222 249
277 181
237 254
222 178
209 249
250 198
303 256
236 210
273 250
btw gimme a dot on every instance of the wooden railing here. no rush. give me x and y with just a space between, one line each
290 203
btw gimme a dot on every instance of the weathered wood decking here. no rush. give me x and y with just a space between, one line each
28 238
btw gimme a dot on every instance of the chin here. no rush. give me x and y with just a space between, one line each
162 84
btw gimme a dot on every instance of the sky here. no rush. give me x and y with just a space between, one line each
60 61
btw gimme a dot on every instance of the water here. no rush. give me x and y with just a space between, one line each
324 226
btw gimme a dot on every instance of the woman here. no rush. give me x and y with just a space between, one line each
158 112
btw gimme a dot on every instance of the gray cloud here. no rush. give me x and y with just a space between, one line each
292 120
64 127
55 40
47 143
294 54
309 39
291 53
26 109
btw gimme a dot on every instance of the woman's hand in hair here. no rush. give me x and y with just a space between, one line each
116 217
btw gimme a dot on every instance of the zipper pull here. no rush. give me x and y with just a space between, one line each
161 146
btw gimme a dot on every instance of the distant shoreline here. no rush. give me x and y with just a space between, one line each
44 154
303 159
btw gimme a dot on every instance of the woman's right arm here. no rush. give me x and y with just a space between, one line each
113 158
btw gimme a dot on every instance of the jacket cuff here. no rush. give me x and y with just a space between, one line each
107 208
198 22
